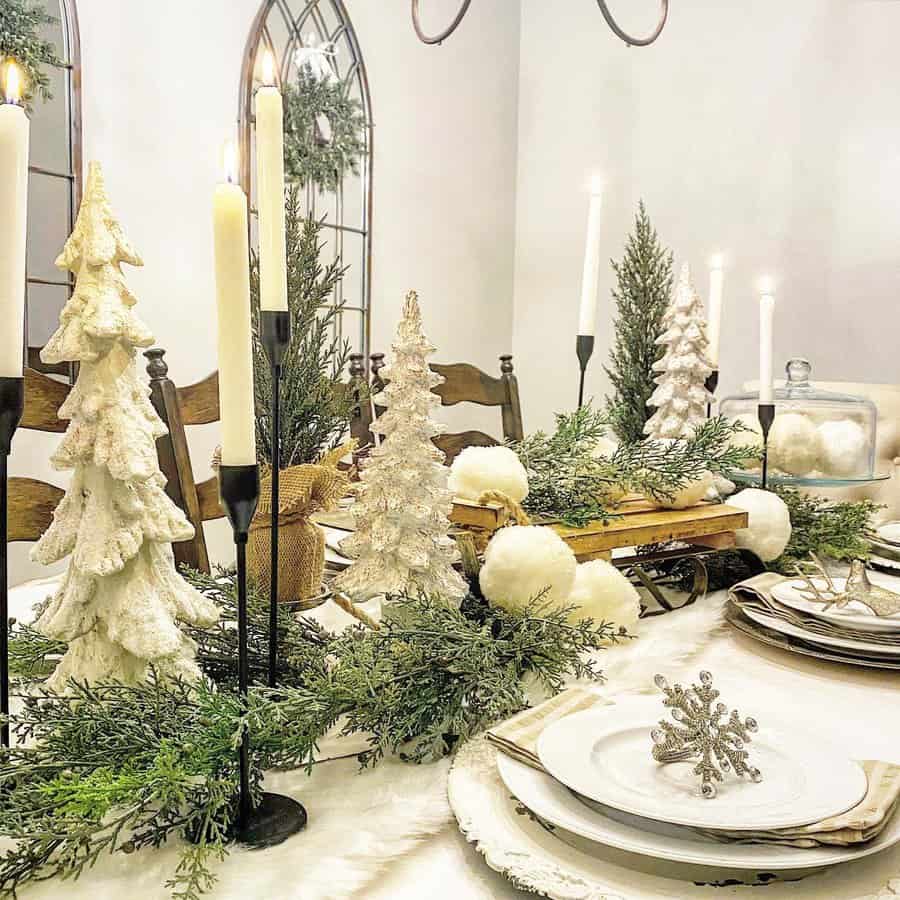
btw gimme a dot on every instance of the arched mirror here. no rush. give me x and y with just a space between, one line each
319 66
54 177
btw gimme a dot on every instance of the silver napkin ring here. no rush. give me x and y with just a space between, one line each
702 732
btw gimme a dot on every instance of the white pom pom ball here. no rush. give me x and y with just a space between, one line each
751 436
794 444
603 448
769 528
690 495
524 561
844 447
480 469
601 592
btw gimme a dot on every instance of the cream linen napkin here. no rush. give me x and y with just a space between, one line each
517 737
756 593
863 822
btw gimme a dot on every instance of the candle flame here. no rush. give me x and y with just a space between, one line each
268 68
596 185
230 161
716 261
13 83
766 286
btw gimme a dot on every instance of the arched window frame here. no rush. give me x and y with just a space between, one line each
309 17
71 66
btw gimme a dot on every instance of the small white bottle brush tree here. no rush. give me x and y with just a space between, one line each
121 599
401 544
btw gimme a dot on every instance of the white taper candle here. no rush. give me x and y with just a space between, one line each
766 322
232 256
590 279
714 313
14 133
270 187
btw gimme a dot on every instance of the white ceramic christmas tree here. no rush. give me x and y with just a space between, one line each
680 398
121 598
401 543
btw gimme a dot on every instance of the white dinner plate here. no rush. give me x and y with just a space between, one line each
885 651
604 754
889 533
854 615
557 805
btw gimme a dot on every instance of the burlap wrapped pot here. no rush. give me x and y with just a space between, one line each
304 490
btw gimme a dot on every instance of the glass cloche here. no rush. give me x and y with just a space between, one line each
818 437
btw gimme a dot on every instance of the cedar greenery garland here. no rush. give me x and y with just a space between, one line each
569 481
20 40
315 407
831 529
111 768
644 283
308 156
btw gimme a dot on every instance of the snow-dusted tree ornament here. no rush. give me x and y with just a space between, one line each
680 398
121 600
401 542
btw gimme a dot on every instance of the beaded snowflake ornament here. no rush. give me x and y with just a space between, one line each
703 732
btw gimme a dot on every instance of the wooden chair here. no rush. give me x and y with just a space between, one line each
32 502
198 404
464 383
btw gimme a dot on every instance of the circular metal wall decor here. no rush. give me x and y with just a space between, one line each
632 41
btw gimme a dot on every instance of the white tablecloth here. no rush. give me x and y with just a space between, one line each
859 707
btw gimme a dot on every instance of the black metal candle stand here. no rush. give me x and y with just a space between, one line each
275 328
712 382
12 405
584 350
276 817
765 412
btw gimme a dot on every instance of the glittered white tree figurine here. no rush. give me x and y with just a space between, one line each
680 398
401 543
121 598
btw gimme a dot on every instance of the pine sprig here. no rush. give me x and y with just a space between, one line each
21 22
644 283
569 481
830 529
315 406
114 768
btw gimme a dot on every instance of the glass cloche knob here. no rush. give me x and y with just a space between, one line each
798 370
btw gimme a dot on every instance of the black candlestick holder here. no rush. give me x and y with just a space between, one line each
12 405
276 817
765 412
275 327
584 350
712 382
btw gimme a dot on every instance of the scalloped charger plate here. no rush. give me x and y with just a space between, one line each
604 754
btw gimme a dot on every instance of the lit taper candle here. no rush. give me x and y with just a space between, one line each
714 313
766 330
590 279
232 255
14 129
270 181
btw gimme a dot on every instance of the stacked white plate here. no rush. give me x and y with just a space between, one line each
853 630
603 786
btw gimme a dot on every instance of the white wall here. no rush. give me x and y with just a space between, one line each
160 94
766 130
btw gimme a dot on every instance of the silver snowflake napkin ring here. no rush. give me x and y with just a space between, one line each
702 732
